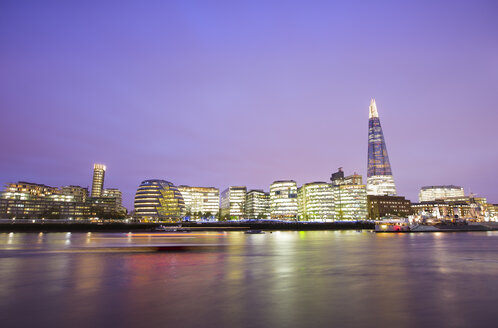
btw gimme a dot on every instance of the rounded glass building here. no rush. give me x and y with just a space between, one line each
159 199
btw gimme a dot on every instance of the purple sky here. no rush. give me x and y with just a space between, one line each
219 93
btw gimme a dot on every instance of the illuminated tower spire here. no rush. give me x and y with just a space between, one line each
380 179
372 109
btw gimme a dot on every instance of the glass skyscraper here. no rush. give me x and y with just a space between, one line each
380 179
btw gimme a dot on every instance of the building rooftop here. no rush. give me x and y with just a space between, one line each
441 186
256 190
315 182
33 184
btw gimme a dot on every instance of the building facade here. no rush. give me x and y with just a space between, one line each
432 193
388 206
98 180
257 204
315 202
115 194
25 200
232 203
350 197
466 207
159 200
201 200
79 194
380 179
443 210
283 200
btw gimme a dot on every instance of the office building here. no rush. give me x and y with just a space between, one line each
114 194
25 200
315 202
232 203
388 207
380 179
283 200
203 201
338 178
350 197
257 204
159 200
78 193
432 193
98 180
443 210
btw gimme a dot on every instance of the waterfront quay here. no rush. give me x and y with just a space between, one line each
74 226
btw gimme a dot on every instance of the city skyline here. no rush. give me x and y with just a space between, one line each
218 104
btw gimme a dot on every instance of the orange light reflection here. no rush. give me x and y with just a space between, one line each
174 234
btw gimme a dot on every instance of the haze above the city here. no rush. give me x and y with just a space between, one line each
218 93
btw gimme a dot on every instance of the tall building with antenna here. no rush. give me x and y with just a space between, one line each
380 179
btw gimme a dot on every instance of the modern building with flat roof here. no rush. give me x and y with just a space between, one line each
25 200
80 194
315 202
201 200
232 203
350 197
432 193
257 204
388 206
283 200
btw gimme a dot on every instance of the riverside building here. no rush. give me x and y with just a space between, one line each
203 200
350 197
380 179
432 193
98 180
232 203
159 200
388 206
115 194
443 210
114 197
79 194
283 200
464 207
315 202
26 200
257 204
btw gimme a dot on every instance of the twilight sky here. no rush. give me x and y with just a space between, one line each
219 93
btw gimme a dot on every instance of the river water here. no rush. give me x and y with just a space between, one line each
279 279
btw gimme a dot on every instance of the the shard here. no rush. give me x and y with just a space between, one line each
380 179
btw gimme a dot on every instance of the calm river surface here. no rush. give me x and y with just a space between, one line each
279 279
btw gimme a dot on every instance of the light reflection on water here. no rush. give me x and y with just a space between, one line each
280 279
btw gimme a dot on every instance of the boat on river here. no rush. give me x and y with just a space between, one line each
162 228
404 225
254 231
